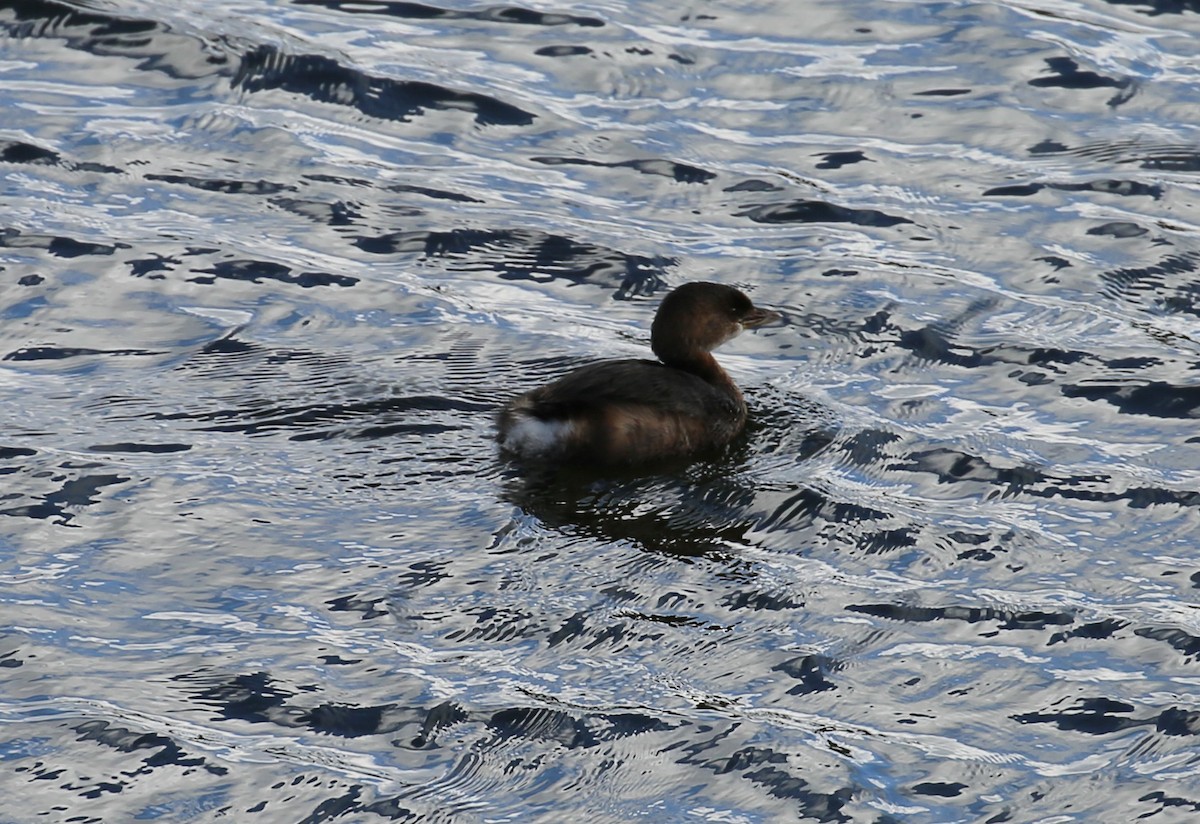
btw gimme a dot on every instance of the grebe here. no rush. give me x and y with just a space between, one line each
635 411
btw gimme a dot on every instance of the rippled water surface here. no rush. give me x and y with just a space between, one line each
267 269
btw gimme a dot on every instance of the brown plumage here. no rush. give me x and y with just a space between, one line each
632 411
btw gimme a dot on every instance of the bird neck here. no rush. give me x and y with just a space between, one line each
703 365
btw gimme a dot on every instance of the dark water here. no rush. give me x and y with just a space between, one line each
267 269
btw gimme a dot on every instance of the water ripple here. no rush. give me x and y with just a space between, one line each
269 269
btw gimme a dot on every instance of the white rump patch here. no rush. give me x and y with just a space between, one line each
534 437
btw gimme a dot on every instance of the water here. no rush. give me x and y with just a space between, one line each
268 268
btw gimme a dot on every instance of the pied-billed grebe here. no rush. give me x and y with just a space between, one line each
633 411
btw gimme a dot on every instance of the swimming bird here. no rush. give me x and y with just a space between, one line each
625 412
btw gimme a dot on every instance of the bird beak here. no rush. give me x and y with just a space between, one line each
759 317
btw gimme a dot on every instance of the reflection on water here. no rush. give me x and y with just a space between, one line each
267 270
